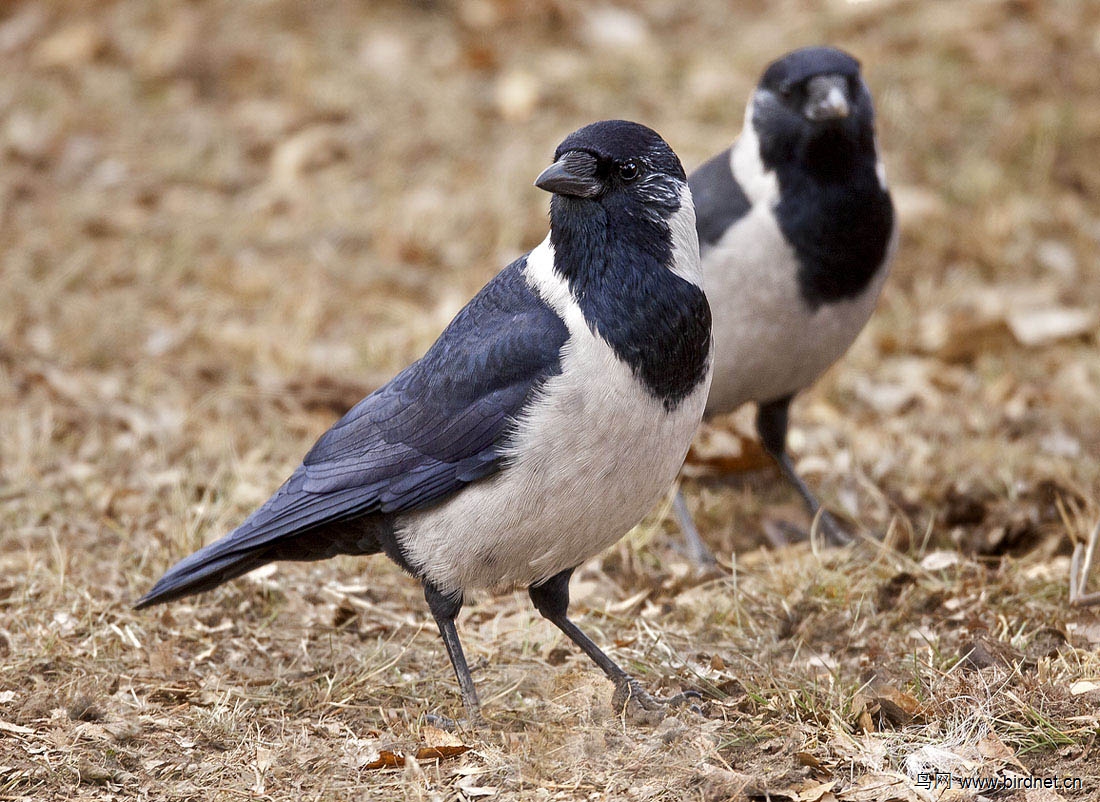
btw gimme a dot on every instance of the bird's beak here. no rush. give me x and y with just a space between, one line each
827 98
573 174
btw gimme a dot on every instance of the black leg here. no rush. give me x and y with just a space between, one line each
445 610
551 599
772 420
697 550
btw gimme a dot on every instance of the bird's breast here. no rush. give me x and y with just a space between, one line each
769 342
589 455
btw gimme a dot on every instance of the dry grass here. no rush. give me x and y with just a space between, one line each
222 222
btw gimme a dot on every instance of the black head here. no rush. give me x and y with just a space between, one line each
812 105
612 164
622 229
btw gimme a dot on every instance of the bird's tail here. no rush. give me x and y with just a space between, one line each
206 569
293 524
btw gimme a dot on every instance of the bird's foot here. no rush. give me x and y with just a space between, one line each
638 705
469 722
833 532
784 533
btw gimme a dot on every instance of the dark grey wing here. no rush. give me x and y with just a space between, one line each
719 199
439 425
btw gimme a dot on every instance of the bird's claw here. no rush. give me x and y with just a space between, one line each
834 534
832 531
639 705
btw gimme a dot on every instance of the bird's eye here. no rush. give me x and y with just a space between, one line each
628 171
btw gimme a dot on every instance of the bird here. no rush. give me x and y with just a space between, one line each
553 411
796 231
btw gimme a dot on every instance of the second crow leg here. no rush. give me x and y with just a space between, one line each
772 420
697 550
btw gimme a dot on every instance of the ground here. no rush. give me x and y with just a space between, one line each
221 223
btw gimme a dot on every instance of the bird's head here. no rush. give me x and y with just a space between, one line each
613 168
811 104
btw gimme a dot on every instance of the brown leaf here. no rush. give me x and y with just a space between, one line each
439 753
896 705
435 737
991 747
386 759
985 653
816 791
15 729
808 759
438 745
862 707
717 448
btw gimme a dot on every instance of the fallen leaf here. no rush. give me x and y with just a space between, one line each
1042 795
896 705
469 787
880 787
808 759
446 743
717 448
304 152
982 652
438 745
992 747
1035 327
387 758
939 560
815 792
958 336
15 729
1084 686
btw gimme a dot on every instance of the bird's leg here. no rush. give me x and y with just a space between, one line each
697 550
772 420
551 599
445 609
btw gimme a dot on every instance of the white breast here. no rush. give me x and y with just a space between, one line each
589 459
768 343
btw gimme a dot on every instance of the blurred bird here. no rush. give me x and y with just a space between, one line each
796 230
545 421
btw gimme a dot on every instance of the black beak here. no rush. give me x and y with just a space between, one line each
827 98
573 174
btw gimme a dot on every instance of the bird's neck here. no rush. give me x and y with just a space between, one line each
634 286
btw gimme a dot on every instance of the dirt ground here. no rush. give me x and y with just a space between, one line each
221 223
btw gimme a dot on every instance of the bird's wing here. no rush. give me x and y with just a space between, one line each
436 427
719 199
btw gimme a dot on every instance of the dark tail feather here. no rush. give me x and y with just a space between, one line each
291 525
205 570
233 555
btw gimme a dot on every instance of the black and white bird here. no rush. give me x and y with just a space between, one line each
796 230
546 420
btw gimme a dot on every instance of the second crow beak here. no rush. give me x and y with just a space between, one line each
827 98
